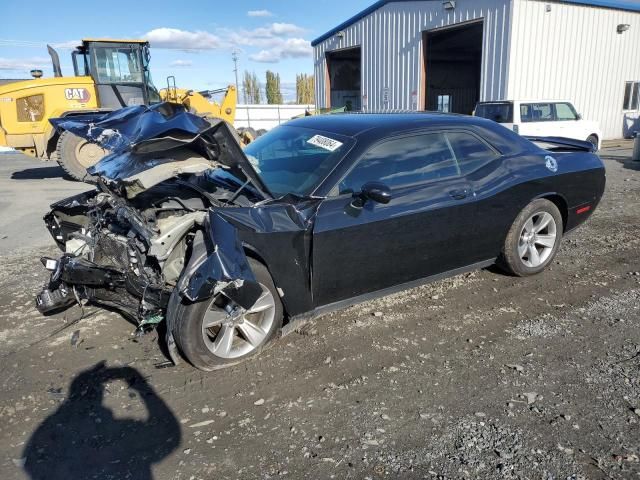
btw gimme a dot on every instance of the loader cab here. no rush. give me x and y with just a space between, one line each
120 71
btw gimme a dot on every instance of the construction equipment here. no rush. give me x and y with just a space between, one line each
108 75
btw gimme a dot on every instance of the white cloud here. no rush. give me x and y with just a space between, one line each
24 64
181 63
259 13
285 48
276 41
273 41
286 29
174 38
274 30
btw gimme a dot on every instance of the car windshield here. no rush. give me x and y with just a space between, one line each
498 112
295 159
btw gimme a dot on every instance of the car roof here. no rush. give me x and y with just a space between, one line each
529 100
382 123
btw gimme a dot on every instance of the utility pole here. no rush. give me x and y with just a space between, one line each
234 56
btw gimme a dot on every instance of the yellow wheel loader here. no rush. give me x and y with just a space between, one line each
108 75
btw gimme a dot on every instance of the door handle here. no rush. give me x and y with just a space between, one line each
460 194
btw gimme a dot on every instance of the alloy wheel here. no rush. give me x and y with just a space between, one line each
230 333
537 239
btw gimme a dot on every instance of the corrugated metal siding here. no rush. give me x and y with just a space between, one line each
574 52
391 43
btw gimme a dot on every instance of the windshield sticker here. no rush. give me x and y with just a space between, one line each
325 142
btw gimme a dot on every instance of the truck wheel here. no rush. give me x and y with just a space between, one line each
75 155
533 240
210 339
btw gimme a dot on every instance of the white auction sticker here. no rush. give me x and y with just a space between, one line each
325 142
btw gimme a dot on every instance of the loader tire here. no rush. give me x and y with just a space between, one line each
75 155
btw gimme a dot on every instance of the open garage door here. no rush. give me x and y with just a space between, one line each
344 71
453 59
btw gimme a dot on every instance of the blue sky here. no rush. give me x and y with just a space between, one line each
192 40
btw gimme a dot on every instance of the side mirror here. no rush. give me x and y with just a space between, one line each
374 191
579 116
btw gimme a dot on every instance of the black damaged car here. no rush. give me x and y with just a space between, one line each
230 247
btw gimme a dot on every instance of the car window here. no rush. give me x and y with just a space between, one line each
498 112
536 112
565 111
471 152
403 161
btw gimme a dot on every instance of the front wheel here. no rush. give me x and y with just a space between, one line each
75 155
533 239
593 140
211 338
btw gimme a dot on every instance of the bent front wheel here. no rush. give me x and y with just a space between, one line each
212 338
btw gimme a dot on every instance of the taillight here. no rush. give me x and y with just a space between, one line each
30 109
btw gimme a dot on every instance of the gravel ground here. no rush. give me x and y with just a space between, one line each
477 376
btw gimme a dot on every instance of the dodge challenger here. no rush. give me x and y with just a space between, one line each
231 247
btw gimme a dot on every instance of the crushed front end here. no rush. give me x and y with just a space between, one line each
127 242
117 255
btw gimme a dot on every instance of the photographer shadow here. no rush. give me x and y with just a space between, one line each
83 438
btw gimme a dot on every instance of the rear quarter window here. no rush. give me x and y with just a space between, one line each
471 152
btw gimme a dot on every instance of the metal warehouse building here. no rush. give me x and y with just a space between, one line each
447 55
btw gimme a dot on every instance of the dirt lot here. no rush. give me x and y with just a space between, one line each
479 376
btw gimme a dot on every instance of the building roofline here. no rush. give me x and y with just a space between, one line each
629 5
354 19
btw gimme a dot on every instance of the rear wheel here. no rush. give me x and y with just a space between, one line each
211 338
593 140
533 240
75 155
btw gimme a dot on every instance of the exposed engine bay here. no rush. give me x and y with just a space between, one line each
127 254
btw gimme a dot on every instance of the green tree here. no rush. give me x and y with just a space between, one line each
251 88
272 88
305 89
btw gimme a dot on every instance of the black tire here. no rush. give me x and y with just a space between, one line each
510 259
251 132
593 140
188 330
261 132
65 154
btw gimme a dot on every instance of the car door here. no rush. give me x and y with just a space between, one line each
421 232
567 122
537 120
482 167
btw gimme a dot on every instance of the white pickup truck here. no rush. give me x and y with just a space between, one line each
541 118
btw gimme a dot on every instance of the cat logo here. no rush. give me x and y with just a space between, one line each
81 95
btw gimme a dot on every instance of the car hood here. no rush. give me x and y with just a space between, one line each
150 144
